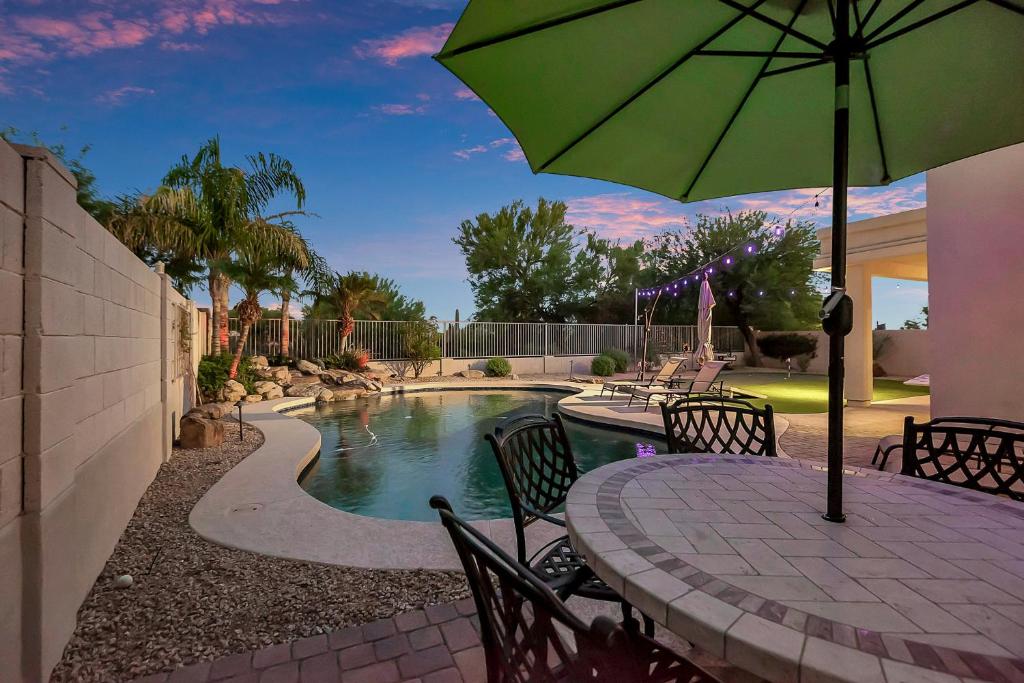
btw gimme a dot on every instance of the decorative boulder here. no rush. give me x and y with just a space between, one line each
303 390
307 368
347 394
211 411
253 398
200 432
349 380
470 374
281 374
259 361
269 390
325 396
233 391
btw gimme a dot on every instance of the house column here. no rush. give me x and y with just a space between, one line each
859 355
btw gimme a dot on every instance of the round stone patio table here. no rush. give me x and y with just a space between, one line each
924 582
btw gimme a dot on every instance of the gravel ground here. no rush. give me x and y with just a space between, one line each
193 600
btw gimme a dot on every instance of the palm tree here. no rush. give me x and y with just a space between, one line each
340 296
257 269
204 210
313 270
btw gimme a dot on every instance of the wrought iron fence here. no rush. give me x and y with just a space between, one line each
385 339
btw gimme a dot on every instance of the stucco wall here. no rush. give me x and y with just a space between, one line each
89 407
906 355
976 285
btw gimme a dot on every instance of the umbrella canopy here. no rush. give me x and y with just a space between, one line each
697 99
705 351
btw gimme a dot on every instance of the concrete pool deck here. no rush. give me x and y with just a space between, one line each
259 506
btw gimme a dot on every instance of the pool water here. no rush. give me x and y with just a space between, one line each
384 456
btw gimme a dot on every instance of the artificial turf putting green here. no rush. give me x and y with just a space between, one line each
808 393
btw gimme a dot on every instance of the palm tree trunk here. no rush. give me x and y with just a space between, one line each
242 338
286 298
348 324
213 285
225 306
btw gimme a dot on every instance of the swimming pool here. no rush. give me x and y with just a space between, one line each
384 456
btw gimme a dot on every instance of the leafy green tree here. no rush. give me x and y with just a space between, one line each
521 262
770 284
612 273
917 323
398 306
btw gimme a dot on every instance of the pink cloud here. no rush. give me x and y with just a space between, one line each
470 151
117 96
400 109
624 216
414 42
172 46
511 146
466 94
123 24
862 202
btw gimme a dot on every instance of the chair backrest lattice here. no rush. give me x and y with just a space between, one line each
719 425
529 635
976 453
538 467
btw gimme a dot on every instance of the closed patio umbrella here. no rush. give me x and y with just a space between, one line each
698 99
705 351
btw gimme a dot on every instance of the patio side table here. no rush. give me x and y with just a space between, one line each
924 582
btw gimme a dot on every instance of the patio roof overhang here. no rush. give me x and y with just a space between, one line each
892 246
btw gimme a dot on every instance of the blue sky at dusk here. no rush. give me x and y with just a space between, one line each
395 153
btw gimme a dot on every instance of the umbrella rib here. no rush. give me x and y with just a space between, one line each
786 29
867 17
907 9
650 84
874 108
1006 4
796 67
739 108
775 54
534 28
918 24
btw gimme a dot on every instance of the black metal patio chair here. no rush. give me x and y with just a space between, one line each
537 465
983 454
719 425
521 619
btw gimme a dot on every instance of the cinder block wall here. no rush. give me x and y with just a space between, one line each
92 366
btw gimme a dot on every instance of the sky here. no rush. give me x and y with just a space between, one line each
393 150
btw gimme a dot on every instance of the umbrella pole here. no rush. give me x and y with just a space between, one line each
840 183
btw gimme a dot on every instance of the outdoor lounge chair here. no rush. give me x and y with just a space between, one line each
705 382
983 454
528 634
538 467
672 367
719 425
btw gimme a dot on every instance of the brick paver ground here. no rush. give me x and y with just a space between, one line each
438 644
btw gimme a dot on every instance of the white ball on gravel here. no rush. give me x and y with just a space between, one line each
123 581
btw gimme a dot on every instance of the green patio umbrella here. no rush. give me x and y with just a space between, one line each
698 99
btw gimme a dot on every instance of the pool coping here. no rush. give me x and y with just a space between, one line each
258 505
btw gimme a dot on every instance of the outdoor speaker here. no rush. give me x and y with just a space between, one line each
837 314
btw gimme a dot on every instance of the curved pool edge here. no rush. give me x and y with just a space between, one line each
258 505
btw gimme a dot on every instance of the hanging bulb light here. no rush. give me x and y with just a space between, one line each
732 294
750 249
760 292
727 260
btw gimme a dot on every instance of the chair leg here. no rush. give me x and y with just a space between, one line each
648 625
631 624
878 451
885 458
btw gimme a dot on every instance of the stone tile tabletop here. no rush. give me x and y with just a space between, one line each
924 581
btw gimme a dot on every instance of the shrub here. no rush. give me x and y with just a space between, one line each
789 345
352 360
213 374
620 357
498 367
602 366
420 346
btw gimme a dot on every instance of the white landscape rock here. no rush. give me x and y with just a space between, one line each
232 391
269 390
325 396
259 361
471 374
253 398
307 368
